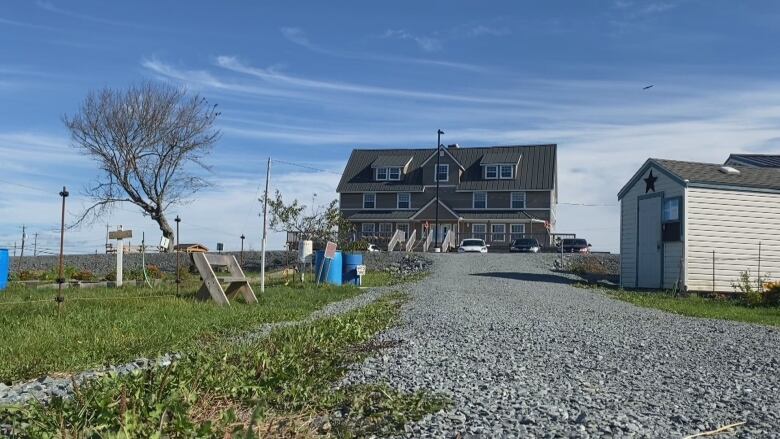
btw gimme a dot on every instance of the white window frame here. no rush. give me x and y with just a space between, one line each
501 172
404 227
479 235
385 233
515 234
488 168
512 200
501 234
384 171
408 200
436 174
390 174
364 231
474 200
667 203
373 195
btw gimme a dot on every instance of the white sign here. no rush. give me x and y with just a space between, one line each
330 250
164 242
361 270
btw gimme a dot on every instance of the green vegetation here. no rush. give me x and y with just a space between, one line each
696 306
280 386
386 278
100 326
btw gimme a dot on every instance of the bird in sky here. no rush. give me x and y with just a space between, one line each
648 87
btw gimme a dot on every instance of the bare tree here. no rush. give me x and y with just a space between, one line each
148 141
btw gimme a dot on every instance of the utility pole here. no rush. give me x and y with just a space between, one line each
21 255
178 279
107 237
242 248
265 226
35 244
436 174
61 276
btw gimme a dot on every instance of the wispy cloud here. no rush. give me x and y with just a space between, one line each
434 41
51 7
275 77
9 22
300 37
426 43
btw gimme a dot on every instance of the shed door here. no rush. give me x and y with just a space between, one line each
649 249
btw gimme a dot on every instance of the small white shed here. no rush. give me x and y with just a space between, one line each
698 226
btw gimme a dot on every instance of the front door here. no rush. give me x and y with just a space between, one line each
443 229
648 269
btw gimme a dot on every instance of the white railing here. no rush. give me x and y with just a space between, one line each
398 236
427 242
448 241
410 240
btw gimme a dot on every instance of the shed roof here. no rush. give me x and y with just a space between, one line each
696 174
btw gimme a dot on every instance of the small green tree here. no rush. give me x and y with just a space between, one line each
318 223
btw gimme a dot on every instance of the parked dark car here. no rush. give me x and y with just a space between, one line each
527 245
575 245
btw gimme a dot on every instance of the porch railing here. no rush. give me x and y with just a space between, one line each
448 242
398 236
410 240
427 243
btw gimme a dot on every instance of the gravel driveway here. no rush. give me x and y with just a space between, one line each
523 353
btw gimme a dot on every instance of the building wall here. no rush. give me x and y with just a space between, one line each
731 223
429 168
448 195
672 251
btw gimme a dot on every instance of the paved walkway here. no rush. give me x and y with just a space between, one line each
523 353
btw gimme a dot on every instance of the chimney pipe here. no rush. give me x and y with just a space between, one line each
454 145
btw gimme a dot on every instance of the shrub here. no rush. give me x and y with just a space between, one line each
771 293
28 275
111 277
356 246
753 296
84 275
154 271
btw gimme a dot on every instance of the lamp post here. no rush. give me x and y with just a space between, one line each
178 278
242 248
436 174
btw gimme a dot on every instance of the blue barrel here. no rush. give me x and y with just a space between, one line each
330 275
3 268
351 261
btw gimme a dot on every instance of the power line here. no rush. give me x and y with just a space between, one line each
25 186
312 168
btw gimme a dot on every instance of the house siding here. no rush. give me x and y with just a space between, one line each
672 251
731 223
428 170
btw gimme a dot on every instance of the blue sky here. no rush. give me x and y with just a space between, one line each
307 82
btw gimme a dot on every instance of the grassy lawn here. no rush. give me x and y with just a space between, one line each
696 306
280 386
100 326
384 278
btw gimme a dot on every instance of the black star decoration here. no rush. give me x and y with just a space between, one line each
650 182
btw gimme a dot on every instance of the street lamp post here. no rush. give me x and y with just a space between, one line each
242 248
436 174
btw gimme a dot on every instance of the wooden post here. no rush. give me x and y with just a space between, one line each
61 276
713 271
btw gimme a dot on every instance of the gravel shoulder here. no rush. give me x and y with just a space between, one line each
521 352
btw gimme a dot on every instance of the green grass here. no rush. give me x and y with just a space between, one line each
101 326
385 278
696 306
280 386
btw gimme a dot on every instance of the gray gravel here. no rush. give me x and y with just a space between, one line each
523 353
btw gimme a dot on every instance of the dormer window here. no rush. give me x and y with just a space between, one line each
491 172
443 173
506 171
392 174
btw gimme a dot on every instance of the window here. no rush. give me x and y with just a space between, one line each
672 209
385 230
516 231
404 200
480 200
518 200
369 201
367 230
506 171
478 231
381 173
671 227
491 172
498 231
444 173
394 174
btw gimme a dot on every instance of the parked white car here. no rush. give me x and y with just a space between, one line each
473 246
373 248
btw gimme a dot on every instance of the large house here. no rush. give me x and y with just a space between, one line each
496 193
699 226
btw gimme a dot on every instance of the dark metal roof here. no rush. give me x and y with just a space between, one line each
536 170
503 157
384 161
379 214
759 160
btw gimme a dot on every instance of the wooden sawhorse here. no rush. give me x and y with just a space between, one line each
237 282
